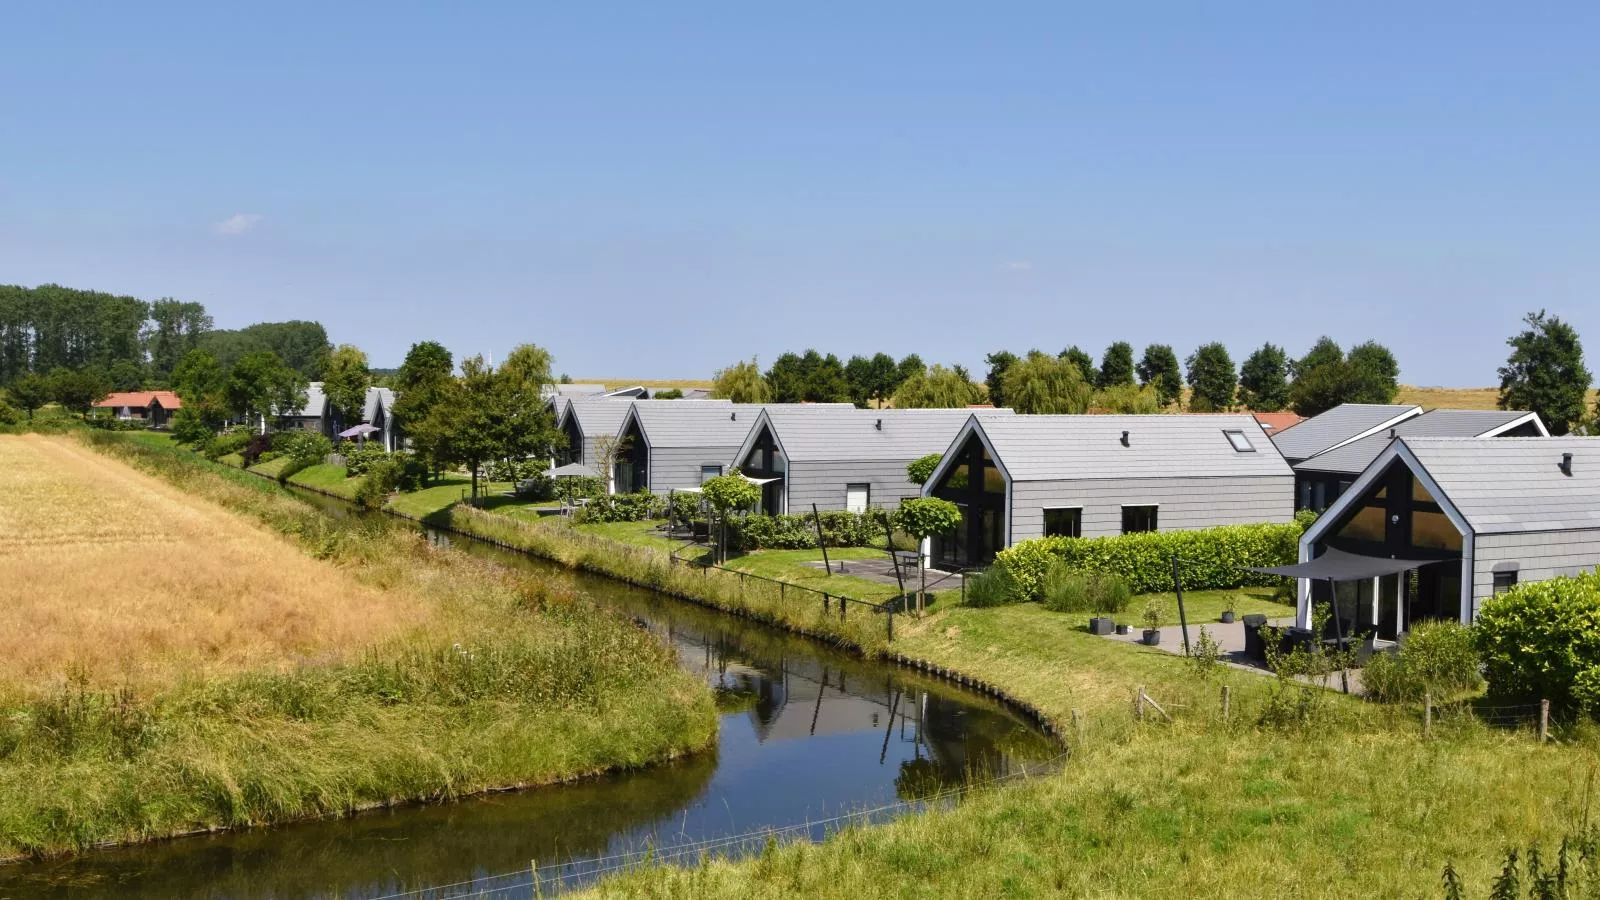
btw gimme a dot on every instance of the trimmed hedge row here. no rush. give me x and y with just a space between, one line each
799 532
1541 640
1211 558
635 507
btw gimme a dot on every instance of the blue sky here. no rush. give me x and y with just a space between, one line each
654 190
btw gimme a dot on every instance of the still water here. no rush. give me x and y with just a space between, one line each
808 735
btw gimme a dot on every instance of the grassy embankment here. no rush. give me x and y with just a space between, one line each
193 648
1356 804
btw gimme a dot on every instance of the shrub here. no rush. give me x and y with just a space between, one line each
1211 558
1064 589
517 471
411 471
1438 658
8 413
382 478
223 444
268 456
799 532
1207 653
253 448
304 447
358 458
1155 612
634 507
685 507
1305 518
1109 593
1541 640
583 487
992 587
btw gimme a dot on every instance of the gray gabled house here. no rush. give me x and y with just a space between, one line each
1478 515
1322 478
673 445
585 420
1330 430
842 457
1021 477
378 411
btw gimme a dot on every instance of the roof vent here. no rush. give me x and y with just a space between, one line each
1566 463
733 417
878 425
1125 441
1394 433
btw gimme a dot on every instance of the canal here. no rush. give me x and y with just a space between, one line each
810 738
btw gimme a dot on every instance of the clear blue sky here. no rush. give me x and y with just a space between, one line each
654 190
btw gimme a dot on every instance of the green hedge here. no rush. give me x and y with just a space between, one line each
799 532
1211 558
1541 641
634 507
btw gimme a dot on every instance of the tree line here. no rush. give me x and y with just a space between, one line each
132 344
1072 382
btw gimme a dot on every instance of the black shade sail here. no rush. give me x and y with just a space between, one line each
1337 565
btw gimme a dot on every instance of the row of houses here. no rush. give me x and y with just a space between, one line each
322 417
1473 500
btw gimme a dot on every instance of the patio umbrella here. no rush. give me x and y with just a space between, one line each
572 470
361 431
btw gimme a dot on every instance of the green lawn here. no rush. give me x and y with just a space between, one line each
791 566
643 534
1202 607
152 438
272 468
232 459
333 479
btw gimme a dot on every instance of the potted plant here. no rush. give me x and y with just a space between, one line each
1227 611
1124 628
1101 624
1154 612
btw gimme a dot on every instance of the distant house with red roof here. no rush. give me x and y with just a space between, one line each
151 407
1274 422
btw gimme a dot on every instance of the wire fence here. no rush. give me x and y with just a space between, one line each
832 604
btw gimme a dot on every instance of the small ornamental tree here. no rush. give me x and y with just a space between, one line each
919 470
30 392
922 518
728 494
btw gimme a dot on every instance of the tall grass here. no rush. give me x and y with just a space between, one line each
859 626
511 680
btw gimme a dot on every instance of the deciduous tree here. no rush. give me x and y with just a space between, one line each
1325 350
922 518
345 380
260 386
78 390
1212 379
1159 368
998 362
742 383
1040 384
1264 379
1080 358
1116 366
1377 372
1127 399
31 391
1545 372
937 388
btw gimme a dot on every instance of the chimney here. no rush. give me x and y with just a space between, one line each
1125 441
1393 433
733 416
878 425
1566 464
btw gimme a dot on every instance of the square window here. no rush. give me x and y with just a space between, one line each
1240 442
1063 522
1504 581
709 472
1138 518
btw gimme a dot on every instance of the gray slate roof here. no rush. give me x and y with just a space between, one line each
316 403
1354 457
1064 448
604 415
1510 485
377 396
703 423
816 433
1337 426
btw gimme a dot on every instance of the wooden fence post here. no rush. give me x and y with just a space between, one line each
891 625
1138 705
1427 713
842 602
1227 698
1544 721
1077 725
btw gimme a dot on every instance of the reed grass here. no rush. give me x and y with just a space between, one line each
503 680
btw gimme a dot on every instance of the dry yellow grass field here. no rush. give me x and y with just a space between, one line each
1456 398
684 383
114 577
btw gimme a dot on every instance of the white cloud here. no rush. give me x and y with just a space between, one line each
238 223
1017 265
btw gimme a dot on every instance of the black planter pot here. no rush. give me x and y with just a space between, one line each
1152 637
1124 629
1227 617
1101 625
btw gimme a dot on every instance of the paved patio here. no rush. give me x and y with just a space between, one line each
1230 640
881 570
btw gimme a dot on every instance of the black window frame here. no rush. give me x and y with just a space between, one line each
1231 433
1503 581
704 467
1134 514
1075 526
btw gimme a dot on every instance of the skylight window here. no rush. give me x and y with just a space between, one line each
1240 442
